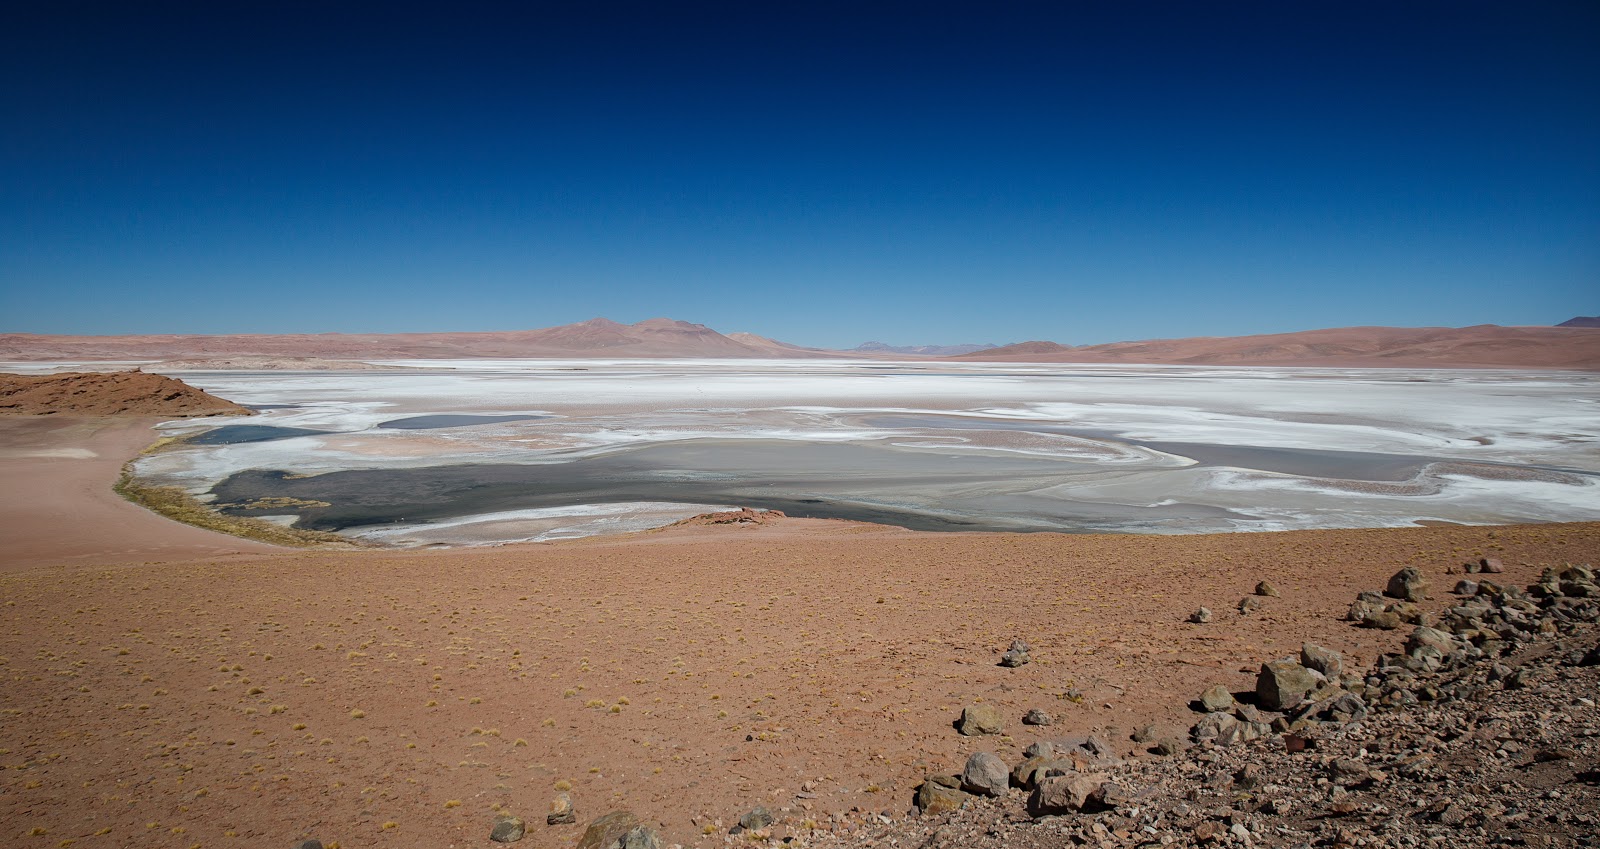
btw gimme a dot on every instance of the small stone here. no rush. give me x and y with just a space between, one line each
1037 717
1013 659
1216 698
507 829
1466 588
1201 616
977 720
1210 831
308 844
757 817
1249 604
985 775
1491 566
607 832
561 812
1408 584
1266 589
1144 734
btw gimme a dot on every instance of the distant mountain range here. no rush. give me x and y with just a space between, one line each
1576 344
1582 321
921 350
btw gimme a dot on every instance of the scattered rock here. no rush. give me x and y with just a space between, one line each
1326 661
1407 585
1266 589
1014 657
1169 746
505 830
1491 566
940 794
561 812
308 844
1201 616
1216 698
986 775
1144 734
1037 717
756 818
639 837
1466 588
977 720
607 832
1282 684
1249 604
1063 794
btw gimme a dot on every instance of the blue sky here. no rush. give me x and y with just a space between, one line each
820 173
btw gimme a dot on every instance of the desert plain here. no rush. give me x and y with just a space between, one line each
169 686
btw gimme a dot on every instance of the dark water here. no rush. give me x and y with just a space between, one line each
441 421
240 434
816 480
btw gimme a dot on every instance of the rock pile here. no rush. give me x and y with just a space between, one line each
1483 731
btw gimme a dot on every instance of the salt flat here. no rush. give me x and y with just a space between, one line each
617 445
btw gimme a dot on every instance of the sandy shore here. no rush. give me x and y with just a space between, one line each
166 686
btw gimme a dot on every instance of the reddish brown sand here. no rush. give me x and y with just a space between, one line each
118 393
397 699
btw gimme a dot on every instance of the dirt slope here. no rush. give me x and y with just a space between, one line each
123 393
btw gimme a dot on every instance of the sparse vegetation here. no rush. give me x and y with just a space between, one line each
179 506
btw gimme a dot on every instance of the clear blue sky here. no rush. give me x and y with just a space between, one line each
823 173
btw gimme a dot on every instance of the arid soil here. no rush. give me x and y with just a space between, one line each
121 393
402 699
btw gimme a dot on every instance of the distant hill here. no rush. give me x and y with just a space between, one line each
598 337
1018 350
122 393
1582 321
1482 346
920 350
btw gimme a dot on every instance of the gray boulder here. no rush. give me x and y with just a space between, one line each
1064 794
985 775
1327 661
1282 684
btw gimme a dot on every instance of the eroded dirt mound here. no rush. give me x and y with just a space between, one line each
130 393
742 516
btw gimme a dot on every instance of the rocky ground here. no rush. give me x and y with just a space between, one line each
1485 732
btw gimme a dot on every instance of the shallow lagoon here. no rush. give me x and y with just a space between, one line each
925 445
